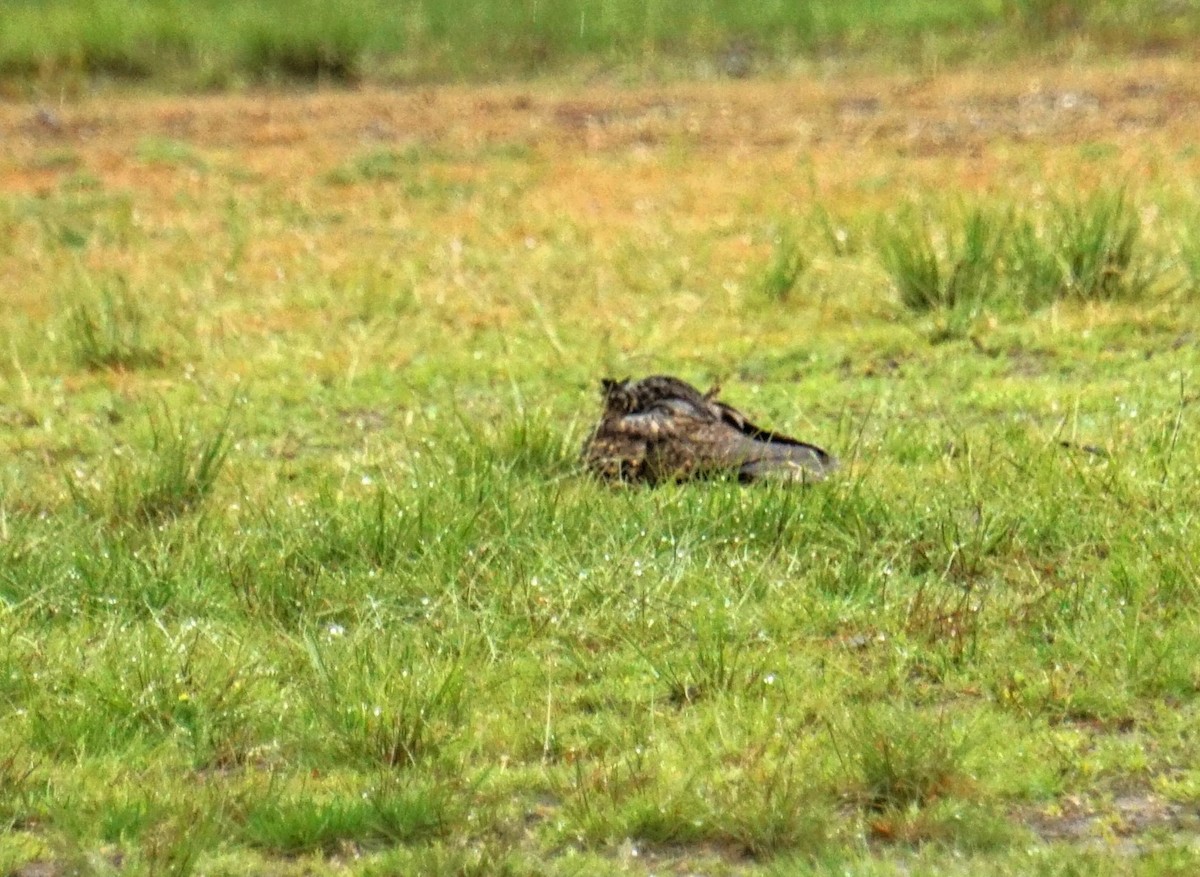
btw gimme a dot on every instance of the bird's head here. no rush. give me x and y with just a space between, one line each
617 395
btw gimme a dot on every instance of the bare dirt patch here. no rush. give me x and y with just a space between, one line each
1126 822
975 115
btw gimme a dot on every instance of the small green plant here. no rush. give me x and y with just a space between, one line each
183 469
108 335
320 44
843 240
170 478
944 269
390 813
1189 253
788 264
380 700
1089 250
380 165
168 152
900 757
16 768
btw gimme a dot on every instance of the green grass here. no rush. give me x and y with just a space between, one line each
217 42
298 573
964 276
1082 250
1085 250
107 332
788 264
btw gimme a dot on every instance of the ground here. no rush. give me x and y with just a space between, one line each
973 649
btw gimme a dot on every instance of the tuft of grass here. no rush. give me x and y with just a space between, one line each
901 758
194 688
391 813
16 769
378 165
717 663
380 700
108 334
168 152
787 265
182 473
165 481
321 43
841 237
771 806
1189 252
1086 250
531 444
756 799
944 269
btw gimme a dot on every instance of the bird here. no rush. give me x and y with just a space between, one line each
661 429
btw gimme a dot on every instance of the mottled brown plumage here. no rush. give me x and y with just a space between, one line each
663 429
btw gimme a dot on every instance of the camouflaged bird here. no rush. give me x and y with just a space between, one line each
663 429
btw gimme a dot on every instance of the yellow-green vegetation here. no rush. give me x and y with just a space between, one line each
220 43
298 574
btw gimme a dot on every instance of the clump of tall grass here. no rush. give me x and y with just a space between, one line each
899 758
1189 253
717 664
16 769
842 237
380 699
1082 250
319 43
944 268
391 813
787 265
1087 250
108 334
170 478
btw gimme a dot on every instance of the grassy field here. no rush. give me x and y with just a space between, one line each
56 44
298 574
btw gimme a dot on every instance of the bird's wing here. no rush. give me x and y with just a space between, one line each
665 419
792 459
648 445
755 451
734 418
